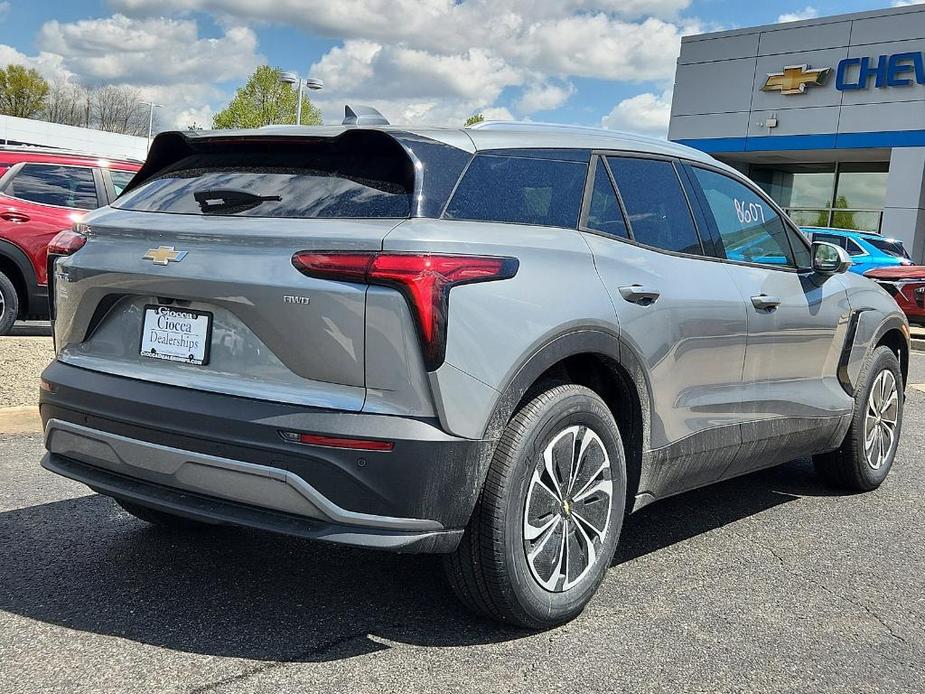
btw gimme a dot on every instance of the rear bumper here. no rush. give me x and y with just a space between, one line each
221 459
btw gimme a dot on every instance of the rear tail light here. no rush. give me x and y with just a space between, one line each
66 242
424 279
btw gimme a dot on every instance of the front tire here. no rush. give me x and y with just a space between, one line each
9 305
549 516
866 456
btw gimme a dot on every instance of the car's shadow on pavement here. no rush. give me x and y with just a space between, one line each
83 564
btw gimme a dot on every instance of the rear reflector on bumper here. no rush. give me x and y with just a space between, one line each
337 441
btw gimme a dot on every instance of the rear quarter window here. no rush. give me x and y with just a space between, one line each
520 190
120 179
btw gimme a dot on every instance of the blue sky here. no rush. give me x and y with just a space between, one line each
589 62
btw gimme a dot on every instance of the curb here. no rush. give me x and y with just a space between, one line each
918 345
20 420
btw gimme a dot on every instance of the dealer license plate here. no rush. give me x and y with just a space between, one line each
174 333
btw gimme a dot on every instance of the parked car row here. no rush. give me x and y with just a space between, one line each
885 261
44 191
41 193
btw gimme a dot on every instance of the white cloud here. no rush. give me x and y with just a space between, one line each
435 58
164 59
496 113
600 47
151 51
906 3
544 97
431 60
645 113
200 117
49 65
808 12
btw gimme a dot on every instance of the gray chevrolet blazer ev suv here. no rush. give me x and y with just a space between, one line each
490 344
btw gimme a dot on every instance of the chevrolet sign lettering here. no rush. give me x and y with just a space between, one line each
794 79
897 70
851 74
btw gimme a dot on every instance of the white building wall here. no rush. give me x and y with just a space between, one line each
83 140
904 212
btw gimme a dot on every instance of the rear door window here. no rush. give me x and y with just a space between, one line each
520 190
658 212
62 186
751 231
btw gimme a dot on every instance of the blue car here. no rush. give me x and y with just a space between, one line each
867 249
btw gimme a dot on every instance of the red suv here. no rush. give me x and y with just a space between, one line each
907 286
42 192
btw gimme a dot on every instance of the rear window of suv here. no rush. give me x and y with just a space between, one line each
293 181
520 190
894 248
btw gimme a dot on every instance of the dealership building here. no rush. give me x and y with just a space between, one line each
827 115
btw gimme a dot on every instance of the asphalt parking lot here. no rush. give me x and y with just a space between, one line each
768 582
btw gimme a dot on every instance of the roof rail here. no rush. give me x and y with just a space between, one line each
363 115
533 125
31 148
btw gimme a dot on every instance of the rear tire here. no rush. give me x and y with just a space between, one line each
161 519
9 305
866 456
549 516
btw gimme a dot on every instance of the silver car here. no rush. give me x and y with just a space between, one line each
490 343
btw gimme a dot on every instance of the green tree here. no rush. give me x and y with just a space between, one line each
265 100
22 91
472 120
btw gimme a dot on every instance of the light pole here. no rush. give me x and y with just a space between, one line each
311 83
151 118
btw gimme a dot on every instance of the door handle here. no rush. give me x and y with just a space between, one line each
637 294
763 302
16 217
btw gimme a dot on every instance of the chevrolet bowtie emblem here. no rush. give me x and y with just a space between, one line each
794 79
164 254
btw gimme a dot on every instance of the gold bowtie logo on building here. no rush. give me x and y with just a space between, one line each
794 79
164 254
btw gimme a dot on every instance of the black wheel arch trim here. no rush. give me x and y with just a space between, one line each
575 342
34 292
899 324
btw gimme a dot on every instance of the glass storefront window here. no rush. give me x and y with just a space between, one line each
804 185
857 221
843 196
861 187
810 218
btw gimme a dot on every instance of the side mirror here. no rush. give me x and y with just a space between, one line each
829 259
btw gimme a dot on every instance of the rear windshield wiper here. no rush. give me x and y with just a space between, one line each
214 201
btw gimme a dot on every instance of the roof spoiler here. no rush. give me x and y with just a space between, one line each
363 115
